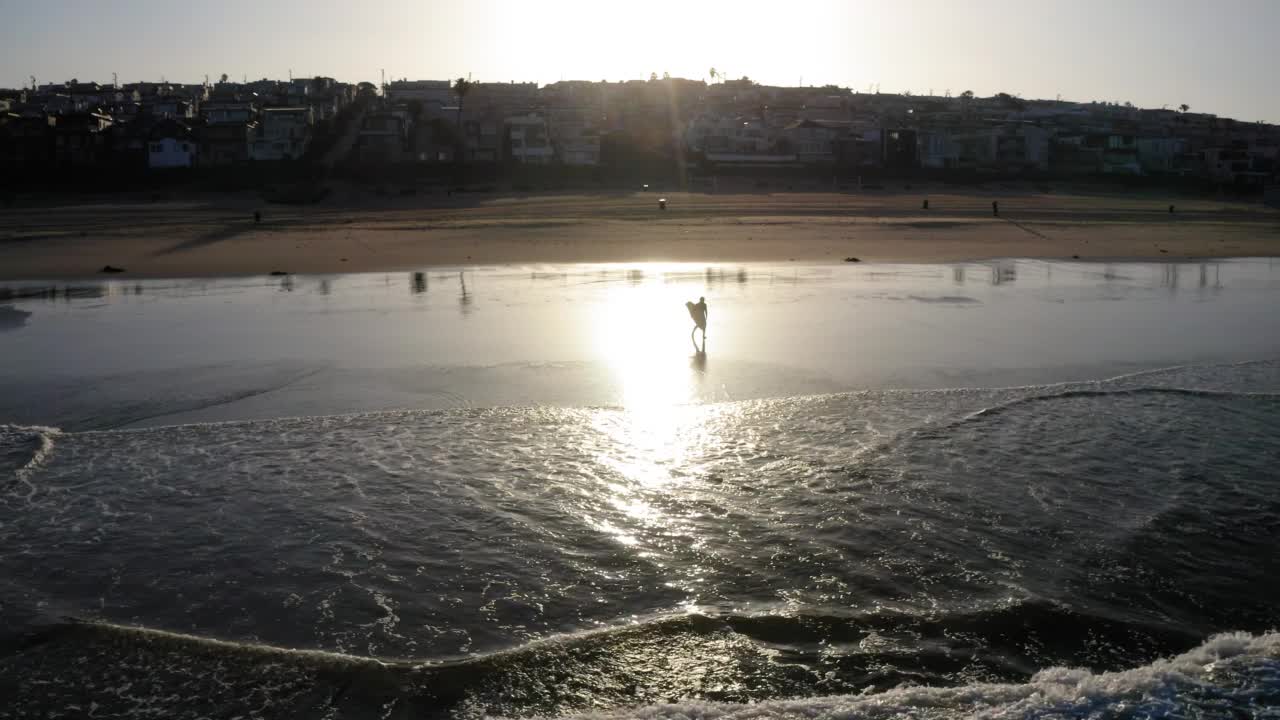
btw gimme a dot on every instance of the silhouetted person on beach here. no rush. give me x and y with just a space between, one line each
698 311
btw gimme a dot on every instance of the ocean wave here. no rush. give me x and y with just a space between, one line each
1118 392
24 449
651 667
1229 675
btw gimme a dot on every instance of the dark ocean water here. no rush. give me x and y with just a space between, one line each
1101 549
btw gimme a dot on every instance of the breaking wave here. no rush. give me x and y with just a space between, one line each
1229 675
692 666
24 449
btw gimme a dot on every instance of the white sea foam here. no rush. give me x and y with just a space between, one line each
44 449
1233 671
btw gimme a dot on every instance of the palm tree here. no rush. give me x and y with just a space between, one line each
714 74
461 87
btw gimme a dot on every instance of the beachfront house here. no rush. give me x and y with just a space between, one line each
81 139
283 134
383 138
529 140
813 141
482 137
225 143
171 145
434 141
169 106
1120 155
1162 155
575 136
229 111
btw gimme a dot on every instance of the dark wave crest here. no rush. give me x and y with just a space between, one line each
729 658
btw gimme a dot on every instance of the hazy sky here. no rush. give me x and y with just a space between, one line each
1217 56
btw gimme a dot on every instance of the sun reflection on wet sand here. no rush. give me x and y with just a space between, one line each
659 431
642 333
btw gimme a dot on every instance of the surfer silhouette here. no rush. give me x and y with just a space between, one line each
698 311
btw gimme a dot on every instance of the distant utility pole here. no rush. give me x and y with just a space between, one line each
115 80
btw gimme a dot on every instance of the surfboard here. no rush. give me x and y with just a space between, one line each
698 318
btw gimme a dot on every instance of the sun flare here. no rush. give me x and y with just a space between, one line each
642 334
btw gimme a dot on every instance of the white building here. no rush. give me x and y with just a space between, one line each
283 134
171 145
530 142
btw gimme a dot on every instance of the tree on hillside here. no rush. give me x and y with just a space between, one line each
461 87
1184 107
223 79
966 95
714 74
653 77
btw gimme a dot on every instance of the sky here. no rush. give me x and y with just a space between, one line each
1217 57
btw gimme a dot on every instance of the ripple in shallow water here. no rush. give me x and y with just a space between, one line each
791 547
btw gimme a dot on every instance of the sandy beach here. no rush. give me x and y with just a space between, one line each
217 235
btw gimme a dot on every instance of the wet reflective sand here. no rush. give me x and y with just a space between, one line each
111 354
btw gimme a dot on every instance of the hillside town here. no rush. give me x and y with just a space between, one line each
696 126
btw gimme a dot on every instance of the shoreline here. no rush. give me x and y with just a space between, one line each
625 265
219 237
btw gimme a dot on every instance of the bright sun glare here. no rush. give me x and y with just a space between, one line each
641 333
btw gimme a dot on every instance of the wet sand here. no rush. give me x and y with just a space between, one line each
216 235
163 352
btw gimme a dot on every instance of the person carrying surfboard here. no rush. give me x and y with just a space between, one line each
698 311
